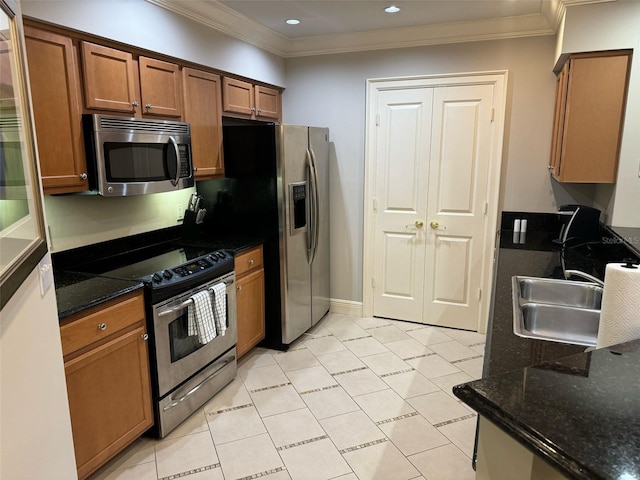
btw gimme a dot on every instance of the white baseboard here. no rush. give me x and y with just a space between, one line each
346 307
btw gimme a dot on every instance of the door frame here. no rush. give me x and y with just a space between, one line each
497 78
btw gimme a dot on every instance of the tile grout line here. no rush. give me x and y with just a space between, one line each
395 419
420 356
406 370
363 445
465 359
320 389
230 409
262 474
454 420
349 371
269 388
355 338
191 472
301 442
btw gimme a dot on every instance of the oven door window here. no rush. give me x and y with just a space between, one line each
180 342
139 162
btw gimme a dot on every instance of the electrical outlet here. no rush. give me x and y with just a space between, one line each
180 213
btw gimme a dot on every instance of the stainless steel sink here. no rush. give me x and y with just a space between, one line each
562 311
560 292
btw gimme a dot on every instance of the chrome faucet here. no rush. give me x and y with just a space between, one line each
578 273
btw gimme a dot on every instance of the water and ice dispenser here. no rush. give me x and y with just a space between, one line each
297 207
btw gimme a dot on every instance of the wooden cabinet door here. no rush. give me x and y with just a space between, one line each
593 117
250 306
55 92
160 87
558 120
202 109
267 103
237 96
109 79
109 398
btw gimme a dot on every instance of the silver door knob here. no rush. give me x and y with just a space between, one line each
145 337
83 176
102 327
434 224
148 106
239 287
419 224
251 262
135 103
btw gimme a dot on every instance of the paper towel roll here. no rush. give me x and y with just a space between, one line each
620 314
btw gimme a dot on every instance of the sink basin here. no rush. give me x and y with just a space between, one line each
561 311
578 326
560 292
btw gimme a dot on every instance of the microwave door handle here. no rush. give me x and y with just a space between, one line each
174 182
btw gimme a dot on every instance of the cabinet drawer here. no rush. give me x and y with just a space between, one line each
101 322
248 260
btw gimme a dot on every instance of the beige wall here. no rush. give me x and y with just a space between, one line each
35 438
330 91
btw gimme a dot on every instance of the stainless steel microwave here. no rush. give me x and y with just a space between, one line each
133 156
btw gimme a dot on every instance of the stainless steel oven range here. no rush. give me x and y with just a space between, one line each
185 372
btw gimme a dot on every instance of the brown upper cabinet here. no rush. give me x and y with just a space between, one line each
115 82
202 109
55 90
589 114
251 101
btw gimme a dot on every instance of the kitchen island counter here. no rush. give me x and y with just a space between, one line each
580 414
575 410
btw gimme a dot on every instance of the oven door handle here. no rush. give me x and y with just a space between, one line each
198 386
184 304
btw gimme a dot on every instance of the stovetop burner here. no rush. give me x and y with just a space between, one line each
166 269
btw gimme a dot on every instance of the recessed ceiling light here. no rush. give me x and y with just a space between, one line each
392 9
293 21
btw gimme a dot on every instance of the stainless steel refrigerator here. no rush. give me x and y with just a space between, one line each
281 191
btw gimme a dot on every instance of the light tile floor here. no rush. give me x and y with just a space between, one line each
354 398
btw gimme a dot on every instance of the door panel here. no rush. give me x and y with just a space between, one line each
296 318
402 160
320 278
458 173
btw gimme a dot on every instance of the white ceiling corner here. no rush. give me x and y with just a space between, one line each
227 20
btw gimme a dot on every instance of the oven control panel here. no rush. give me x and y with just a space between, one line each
218 262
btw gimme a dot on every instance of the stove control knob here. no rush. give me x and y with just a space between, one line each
167 274
213 258
220 255
156 278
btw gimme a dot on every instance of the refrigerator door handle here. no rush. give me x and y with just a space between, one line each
316 206
312 208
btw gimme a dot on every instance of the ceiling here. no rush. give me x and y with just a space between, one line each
335 26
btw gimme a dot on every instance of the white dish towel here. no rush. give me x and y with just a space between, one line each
219 292
200 320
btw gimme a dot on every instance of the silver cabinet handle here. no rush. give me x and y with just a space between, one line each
148 106
83 176
102 327
239 287
145 337
259 111
135 103
251 262
253 109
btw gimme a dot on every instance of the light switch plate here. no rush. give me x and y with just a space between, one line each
45 269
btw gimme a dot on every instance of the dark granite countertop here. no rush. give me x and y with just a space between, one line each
577 410
76 292
580 413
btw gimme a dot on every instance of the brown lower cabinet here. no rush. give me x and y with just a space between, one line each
106 366
249 299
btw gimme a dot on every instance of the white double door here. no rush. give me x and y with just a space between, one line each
432 152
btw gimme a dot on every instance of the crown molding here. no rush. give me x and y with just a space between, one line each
224 19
